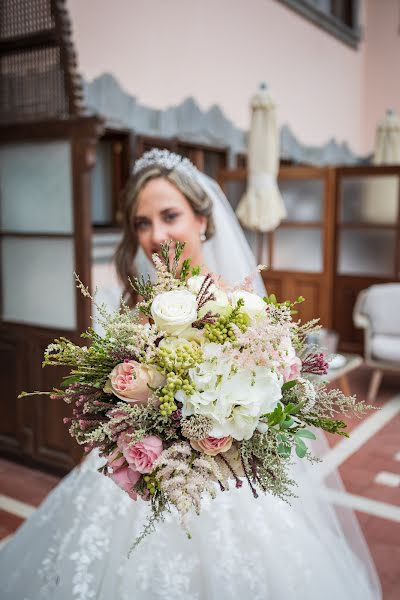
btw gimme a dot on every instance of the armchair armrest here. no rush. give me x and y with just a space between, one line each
362 321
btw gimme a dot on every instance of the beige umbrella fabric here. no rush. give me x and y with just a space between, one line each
381 193
261 208
387 145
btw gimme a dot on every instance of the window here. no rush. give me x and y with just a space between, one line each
338 17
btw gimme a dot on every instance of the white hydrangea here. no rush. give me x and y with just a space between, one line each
234 399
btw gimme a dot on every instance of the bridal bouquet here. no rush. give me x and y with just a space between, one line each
198 388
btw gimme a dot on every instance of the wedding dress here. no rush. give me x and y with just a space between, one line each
76 545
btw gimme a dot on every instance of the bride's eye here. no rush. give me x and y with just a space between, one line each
141 224
171 217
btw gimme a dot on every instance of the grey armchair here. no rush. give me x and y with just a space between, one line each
377 311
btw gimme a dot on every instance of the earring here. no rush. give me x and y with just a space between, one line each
203 237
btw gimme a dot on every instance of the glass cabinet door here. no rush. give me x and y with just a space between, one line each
368 225
37 234
297 244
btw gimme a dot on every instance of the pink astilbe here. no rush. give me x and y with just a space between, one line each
259 344
247 283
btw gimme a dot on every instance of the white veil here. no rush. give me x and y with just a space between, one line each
228 252
229 255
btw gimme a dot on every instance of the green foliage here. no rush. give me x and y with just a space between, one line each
185 269
143 287
283 414
289 385
286 421
89 365
164 252
331 425
271 299
195 271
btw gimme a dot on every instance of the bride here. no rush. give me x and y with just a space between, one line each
75 546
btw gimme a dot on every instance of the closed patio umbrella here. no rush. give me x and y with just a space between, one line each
387 145
261 208
381 193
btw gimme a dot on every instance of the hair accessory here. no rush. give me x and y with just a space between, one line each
166 159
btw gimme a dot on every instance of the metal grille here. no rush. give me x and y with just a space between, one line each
32 85
38 73
24 17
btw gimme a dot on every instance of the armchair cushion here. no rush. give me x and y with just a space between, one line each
386 348
382 306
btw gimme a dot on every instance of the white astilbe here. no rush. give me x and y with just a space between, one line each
184 481
306 393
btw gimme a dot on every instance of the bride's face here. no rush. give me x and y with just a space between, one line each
163 213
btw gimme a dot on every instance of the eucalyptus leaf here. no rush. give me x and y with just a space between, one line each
284 450
287 423
289 385
69 380
301 448
306 433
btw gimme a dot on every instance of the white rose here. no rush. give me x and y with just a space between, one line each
194 283
220 304
174 311
253 304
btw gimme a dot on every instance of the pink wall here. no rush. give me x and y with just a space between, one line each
218 52
382 65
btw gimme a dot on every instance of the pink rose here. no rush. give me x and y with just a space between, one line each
212 445
141 455
116 459
130 381
126 478
287 363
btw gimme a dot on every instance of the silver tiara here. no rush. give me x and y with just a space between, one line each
166 159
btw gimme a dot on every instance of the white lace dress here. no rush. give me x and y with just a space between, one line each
75 547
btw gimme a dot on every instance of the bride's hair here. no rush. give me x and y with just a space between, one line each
128 246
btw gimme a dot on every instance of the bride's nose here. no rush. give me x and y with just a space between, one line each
159 233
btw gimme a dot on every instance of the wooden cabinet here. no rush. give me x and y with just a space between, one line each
367 240
32 429
341 235
45 236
